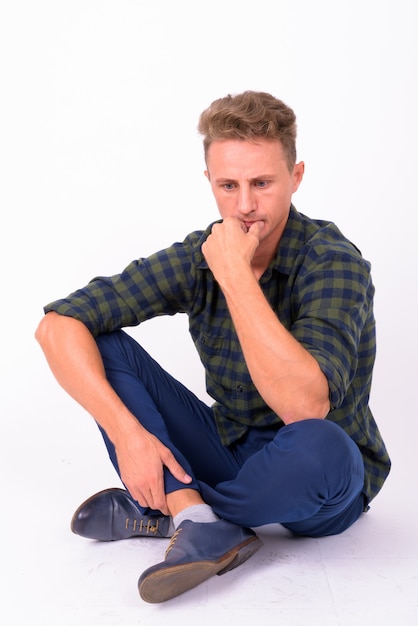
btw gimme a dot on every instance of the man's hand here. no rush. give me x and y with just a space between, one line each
230 247
141 459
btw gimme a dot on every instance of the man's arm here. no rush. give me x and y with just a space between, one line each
76 363
285 374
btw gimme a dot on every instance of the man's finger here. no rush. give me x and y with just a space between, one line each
179 473
176 469
256 228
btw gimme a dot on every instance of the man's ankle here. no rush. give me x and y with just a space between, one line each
188 504
201 513
181 499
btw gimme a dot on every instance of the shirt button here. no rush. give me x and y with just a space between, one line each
202 339
240 388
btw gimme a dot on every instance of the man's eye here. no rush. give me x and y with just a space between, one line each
261 183
228 186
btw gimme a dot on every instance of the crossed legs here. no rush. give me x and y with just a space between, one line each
307 476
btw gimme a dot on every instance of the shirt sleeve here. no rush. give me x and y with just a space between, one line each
335 319
161 284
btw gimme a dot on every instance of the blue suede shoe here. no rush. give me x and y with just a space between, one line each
196 552
111 515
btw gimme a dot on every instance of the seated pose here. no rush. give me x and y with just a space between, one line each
280 310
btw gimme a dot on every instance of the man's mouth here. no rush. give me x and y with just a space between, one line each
247 225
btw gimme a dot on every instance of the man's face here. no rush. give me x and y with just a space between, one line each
252 182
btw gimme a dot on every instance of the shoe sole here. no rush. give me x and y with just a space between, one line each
168 582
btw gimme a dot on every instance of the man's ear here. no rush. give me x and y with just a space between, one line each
298 172
206 173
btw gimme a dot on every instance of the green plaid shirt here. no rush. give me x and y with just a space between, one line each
321 289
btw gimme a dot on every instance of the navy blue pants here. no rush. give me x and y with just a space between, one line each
307 476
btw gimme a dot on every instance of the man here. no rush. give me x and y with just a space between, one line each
281 313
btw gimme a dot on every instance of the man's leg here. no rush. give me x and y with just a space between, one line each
199 548
167 409
179 419
308 478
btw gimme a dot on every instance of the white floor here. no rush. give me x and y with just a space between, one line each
367 575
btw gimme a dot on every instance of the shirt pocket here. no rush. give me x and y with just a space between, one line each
208 346
227 377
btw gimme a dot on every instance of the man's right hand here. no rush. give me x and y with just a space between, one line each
141 459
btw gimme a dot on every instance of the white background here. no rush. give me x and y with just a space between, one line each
101 163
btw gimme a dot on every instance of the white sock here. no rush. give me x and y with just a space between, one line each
201 513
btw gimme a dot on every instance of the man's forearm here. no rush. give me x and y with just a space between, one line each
285 374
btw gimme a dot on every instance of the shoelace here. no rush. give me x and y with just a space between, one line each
140 526
173 540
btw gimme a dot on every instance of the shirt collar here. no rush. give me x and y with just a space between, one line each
292 239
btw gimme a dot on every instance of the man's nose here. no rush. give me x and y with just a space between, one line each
245 201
